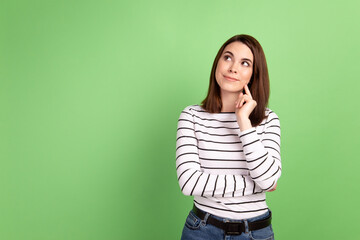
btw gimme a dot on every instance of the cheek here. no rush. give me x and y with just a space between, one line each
218 71
216 74
247 75
222 65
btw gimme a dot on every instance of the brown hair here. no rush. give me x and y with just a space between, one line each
259 83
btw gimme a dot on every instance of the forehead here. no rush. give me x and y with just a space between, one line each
239 50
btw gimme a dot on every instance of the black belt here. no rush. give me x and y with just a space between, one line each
233 228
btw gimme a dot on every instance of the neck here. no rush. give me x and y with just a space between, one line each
228 100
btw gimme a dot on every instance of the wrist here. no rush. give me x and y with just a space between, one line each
244 124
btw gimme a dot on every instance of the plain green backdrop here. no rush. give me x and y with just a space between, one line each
91 92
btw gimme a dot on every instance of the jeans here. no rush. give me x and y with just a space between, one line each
197 229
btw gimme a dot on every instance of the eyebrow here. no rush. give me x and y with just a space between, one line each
233 55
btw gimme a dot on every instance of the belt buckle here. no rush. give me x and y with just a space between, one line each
232 228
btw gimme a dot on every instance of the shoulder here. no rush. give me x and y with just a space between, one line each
192 110
188 115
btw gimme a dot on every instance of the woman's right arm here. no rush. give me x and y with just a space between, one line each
192 180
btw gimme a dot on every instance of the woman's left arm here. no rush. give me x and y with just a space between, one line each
263 156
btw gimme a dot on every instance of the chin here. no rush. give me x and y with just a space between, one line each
233 89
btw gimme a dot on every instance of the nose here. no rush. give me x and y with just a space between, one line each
233 69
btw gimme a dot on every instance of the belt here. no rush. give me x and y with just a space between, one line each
233 228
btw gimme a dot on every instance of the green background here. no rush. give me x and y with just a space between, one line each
91 91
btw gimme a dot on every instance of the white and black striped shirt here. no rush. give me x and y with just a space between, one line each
226 170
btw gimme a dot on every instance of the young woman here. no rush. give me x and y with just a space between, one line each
228 148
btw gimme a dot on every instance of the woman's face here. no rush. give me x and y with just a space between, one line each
235 67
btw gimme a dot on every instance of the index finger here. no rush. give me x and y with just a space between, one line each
247 90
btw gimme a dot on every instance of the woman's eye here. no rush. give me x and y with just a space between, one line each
246 64
227 57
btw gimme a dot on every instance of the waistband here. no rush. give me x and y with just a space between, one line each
233 227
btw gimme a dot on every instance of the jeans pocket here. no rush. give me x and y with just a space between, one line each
193 221
262 234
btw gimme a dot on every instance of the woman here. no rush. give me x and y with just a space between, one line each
228 149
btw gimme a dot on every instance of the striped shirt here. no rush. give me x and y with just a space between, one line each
227 170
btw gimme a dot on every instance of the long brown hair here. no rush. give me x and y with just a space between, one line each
259 83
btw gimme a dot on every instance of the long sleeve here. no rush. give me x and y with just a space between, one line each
263 154
191 177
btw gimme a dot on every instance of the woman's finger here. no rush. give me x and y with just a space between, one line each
239 104
247 90
274 188
242 102
247 98
239 99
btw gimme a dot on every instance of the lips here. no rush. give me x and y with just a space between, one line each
231 79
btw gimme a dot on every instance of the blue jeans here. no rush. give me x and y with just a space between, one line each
197 229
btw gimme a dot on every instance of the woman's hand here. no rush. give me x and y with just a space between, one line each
273 189
244 106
